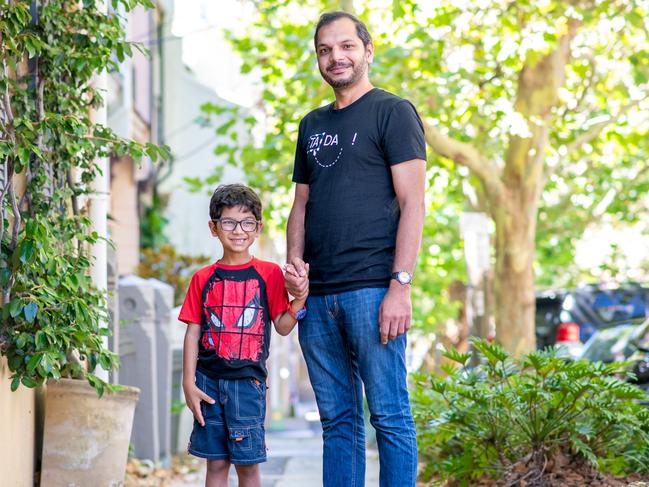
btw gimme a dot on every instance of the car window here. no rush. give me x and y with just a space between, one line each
619 305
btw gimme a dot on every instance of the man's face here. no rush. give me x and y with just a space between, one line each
342 58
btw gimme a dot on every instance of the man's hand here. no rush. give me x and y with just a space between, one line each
395 313
193 398
297 278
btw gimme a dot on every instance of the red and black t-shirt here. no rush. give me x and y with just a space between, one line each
235 306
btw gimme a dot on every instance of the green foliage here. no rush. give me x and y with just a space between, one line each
482 421
166 265
51 314
460 64
153 223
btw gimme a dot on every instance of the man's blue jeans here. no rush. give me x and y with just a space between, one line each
341 345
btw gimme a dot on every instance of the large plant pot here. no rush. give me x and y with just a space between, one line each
85 437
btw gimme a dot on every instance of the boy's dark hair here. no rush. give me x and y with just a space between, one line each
329 17
231 195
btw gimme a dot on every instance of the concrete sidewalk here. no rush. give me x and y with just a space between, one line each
294 460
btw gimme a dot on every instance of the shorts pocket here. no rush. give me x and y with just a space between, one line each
247 444
249 399
211 412
259 386
240 440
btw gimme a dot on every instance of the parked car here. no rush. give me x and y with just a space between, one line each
628 342
547 317
570 317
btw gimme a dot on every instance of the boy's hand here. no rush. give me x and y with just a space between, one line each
193 398
297 278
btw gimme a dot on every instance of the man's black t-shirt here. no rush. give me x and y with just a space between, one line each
352 213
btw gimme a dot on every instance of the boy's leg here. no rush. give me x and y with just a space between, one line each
333 373
383 370
210 441
217 473
249 475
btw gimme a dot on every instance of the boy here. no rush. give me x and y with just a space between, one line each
228 310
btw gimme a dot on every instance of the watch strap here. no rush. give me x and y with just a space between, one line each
298 314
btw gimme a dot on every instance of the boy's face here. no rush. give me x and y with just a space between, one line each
236 242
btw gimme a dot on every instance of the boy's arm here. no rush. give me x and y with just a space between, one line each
285 323
193 395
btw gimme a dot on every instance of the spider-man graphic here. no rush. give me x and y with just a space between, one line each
235 320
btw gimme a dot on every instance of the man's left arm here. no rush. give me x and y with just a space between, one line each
409 179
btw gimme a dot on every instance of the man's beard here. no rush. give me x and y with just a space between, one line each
358 70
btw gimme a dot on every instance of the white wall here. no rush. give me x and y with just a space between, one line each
192 146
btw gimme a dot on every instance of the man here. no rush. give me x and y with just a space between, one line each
357 221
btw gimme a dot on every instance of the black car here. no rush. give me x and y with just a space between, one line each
571 316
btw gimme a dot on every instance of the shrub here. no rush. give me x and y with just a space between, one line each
171 267
488 420
52 317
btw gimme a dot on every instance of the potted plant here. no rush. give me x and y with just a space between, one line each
52 329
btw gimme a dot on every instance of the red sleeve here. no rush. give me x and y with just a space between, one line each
191 310
277 295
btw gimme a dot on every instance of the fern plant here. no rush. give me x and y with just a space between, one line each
487 420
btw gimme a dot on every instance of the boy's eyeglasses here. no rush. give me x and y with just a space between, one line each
228 224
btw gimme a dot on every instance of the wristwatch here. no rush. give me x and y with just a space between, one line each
296 315
402 277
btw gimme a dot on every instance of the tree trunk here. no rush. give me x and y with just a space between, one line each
513 191
514 279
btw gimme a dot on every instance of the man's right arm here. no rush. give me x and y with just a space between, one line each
295 227
295 240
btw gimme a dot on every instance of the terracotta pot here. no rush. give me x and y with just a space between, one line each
85 437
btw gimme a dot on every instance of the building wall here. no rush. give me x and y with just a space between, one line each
17 424
124 222
193 150
131 115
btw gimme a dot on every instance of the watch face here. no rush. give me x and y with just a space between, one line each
300 314
404 277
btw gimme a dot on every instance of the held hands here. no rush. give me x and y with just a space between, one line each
395 313
193 398
296 278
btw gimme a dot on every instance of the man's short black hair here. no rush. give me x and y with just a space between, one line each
234 195
329 17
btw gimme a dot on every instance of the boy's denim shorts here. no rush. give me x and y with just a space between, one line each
234 424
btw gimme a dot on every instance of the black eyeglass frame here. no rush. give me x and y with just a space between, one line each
219 222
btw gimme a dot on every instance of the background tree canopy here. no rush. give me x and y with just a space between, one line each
536 113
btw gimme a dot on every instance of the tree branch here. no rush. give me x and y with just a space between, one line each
467 155
587 86
16 225
594 131
593 214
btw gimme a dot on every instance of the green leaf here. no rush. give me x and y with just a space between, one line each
41 339
34 362
15 307
29 382
461 358
30 312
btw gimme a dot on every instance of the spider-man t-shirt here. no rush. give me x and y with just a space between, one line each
235 306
